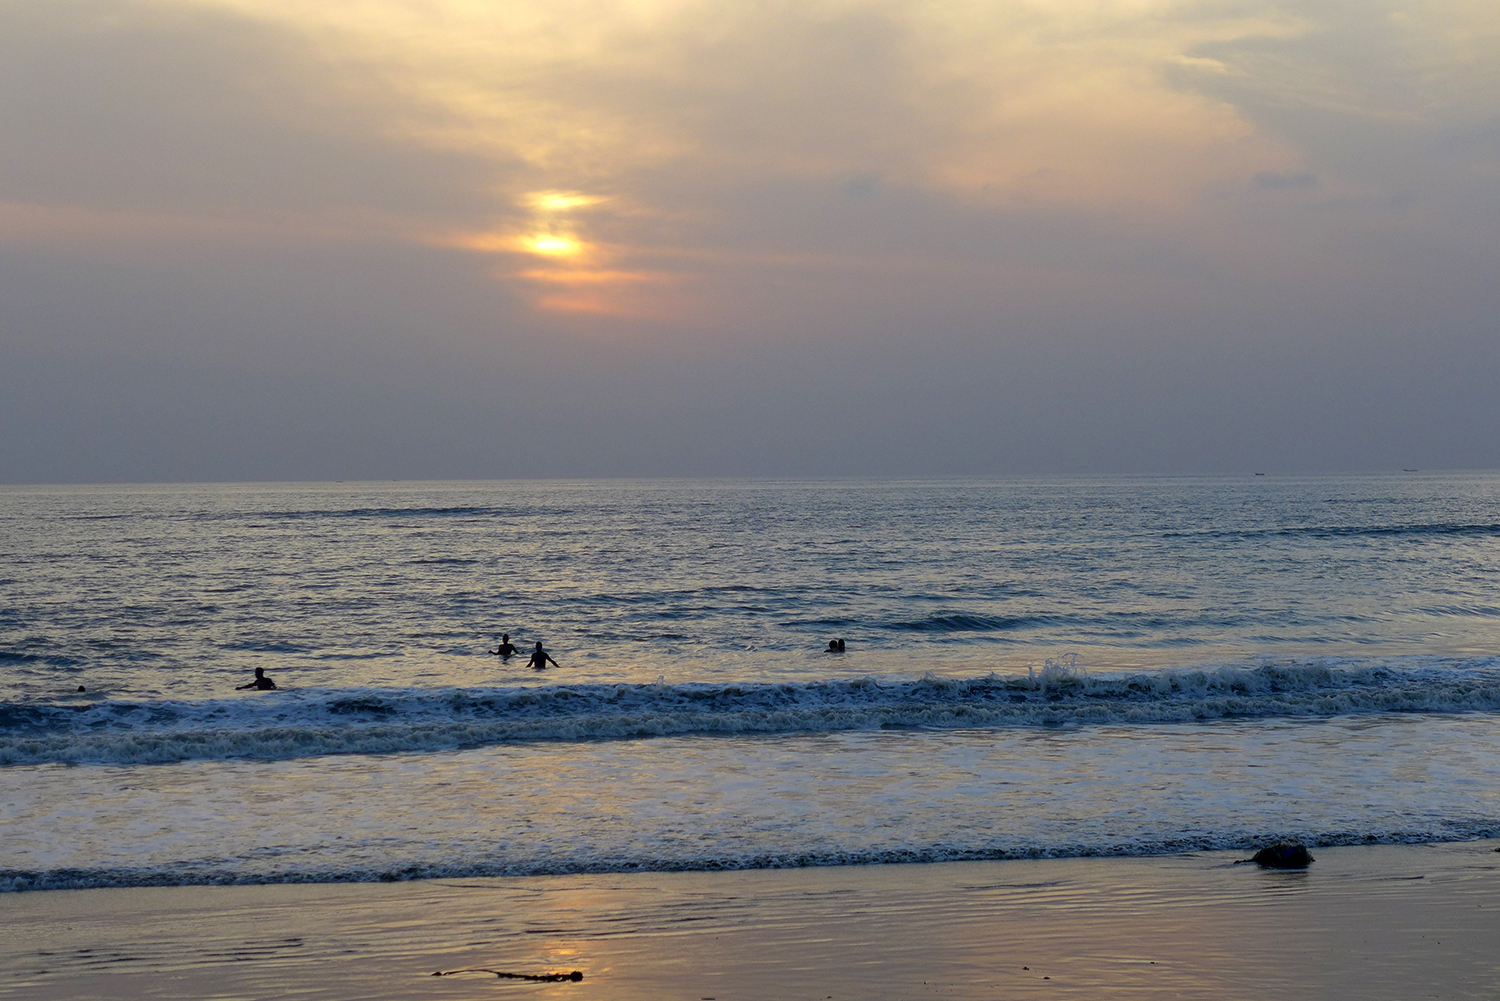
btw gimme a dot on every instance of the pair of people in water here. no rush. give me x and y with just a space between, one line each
539 657
835 646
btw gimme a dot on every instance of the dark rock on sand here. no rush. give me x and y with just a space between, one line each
1283 855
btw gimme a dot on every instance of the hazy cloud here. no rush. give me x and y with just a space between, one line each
581 236
141 106
1275 180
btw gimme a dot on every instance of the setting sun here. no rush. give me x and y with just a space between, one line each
552 245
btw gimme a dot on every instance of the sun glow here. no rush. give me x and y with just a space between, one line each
552 245
568 270
561 201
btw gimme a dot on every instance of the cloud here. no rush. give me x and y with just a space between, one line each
139 107
700 138
835 234
669 107
1275 180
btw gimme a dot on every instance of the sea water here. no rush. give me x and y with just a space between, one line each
1032 667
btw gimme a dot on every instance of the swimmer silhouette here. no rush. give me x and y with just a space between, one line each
539 658
835 646
506 649
261 682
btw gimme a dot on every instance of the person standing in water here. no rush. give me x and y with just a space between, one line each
261 682
539 658
506 648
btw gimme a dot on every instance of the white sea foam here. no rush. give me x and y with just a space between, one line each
748 802
313 723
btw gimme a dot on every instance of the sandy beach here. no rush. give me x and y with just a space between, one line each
1363 922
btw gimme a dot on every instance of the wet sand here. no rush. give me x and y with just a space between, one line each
1375 922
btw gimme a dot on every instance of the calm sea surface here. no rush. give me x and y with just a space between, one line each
1033 667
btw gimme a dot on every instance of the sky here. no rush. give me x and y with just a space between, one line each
433 239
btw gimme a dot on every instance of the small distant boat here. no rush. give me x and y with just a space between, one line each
1409 470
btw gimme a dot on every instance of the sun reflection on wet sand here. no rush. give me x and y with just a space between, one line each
1367 922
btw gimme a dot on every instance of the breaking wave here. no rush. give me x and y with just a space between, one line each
309 723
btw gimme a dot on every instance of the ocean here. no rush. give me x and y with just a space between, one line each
1033 667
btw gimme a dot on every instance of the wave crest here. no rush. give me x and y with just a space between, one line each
313 722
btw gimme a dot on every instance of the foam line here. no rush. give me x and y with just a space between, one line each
316 722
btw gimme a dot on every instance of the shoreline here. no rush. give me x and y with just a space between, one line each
1383 921
14 882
